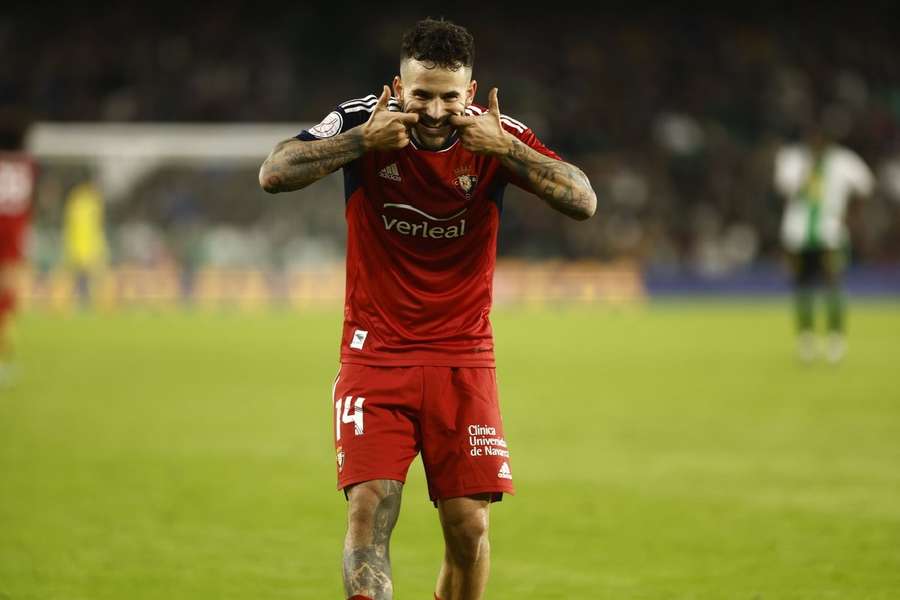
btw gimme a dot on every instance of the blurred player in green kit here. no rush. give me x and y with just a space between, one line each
819 178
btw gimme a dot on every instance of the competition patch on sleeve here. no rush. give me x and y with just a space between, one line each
329 127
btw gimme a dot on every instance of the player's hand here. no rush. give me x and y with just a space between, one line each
387 130
483 134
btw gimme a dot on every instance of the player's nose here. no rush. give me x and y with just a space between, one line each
435 111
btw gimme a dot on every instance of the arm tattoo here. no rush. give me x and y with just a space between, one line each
563 186
367 569
294 164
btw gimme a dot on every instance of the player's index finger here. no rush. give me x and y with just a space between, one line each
459 120
407 117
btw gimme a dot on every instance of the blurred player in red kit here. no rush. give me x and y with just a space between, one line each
18 173
425 170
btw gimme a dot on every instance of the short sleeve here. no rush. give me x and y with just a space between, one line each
344 117
524 134
858 173
791 169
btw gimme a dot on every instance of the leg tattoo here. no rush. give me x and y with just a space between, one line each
367 561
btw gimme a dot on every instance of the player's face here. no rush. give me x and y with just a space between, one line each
434 94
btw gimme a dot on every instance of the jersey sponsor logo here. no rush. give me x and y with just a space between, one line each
329 127
423 228
390 172
359 339
504 472
484 441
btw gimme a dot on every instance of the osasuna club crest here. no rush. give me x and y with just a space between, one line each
466 183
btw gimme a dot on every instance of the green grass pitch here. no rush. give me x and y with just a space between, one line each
675 451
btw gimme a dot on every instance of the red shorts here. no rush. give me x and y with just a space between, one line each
384 416
12 240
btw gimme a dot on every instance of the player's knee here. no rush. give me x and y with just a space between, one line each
371 511
362 501
466 535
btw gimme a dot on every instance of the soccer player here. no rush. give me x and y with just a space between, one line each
424 172
819 178
18 173
84 238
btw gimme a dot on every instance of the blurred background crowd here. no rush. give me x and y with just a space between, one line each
675 118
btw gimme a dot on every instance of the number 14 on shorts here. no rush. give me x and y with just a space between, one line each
344 416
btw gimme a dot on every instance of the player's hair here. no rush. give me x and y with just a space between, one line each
439 42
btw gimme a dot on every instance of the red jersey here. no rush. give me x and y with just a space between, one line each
422 231
18 174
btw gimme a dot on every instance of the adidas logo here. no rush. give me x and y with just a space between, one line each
504 473
390 172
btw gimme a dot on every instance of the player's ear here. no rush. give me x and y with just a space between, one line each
398 87
470 93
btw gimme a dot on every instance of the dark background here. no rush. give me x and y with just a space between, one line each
674 113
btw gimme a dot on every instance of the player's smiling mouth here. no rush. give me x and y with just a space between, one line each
439 128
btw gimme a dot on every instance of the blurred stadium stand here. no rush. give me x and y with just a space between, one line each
674 117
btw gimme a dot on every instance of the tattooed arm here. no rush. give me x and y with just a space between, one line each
295 164
563 186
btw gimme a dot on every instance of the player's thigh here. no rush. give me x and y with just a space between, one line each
455 512
375 425
834 263
806 267
465 522
464 448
